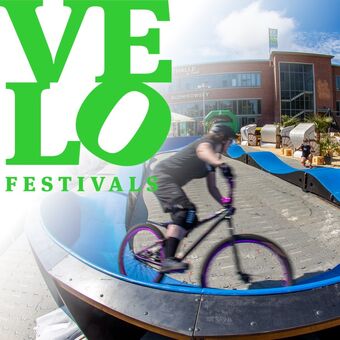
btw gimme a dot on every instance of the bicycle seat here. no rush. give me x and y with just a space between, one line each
160 224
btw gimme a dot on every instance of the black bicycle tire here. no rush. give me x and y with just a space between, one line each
263 241
159 234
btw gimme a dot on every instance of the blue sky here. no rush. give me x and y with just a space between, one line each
312 15
216 30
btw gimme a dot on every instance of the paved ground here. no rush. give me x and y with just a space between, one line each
306 227
23 293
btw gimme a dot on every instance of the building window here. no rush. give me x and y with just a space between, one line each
228 105
297 89
337 82
242 107
217 81
249 107
338 107
251 79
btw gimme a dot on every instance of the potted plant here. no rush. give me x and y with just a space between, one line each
327 148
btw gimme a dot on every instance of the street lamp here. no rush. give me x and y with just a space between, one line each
203 87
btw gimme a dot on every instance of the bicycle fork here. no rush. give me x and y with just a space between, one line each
243 276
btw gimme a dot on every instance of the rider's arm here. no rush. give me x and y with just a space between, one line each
213 190
206 153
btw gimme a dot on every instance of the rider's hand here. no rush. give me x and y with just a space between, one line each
226 171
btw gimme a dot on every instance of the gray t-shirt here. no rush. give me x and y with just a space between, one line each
185 164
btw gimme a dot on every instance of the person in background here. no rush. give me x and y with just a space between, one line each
307 150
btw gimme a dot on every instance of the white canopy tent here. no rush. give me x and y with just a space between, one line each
245 131
269 135
180 124
285 135
178 118
299 133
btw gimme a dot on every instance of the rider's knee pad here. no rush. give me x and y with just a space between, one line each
186 218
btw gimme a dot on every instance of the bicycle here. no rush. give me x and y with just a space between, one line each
142 250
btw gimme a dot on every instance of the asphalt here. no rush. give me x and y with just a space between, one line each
305 226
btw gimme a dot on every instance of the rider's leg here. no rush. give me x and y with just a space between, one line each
183 214
175 233
310 160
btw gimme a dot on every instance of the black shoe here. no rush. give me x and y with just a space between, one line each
172 265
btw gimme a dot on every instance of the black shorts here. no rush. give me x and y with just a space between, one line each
171 195
174 200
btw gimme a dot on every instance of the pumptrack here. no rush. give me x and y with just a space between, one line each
324 182
76 240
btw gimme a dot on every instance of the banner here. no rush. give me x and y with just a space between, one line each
273 38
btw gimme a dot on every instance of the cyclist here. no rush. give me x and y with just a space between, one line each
197 160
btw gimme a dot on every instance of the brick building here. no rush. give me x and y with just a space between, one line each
259 91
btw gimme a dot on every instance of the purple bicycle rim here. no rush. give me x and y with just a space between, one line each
223 246
137 230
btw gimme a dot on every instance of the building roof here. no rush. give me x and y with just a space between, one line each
225 62
303 54
258 60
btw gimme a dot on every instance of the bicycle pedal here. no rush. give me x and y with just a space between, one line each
174 267
173 271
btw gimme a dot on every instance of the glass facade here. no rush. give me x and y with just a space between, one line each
250 107
338 107
297 88
337 83
215 81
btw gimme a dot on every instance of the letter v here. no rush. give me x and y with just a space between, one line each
97 185
33 41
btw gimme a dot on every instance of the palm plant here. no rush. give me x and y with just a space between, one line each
322 124
288 121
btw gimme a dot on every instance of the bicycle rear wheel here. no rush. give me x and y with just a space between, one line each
141 253
266 263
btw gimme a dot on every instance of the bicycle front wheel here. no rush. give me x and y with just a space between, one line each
141 253
267 265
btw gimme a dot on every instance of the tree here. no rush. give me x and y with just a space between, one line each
322 124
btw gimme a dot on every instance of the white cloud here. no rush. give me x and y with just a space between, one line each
318 42
244 33
191 30
202 31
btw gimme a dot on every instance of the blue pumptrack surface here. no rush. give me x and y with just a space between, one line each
268 161
328 177
175 143
235 151
102 229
